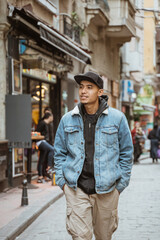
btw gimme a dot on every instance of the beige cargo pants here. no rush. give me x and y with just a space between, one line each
91 213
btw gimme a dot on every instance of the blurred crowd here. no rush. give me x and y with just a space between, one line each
139 137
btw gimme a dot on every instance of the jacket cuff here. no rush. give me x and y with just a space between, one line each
61 183
120 187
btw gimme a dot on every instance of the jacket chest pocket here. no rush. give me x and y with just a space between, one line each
72 135
109 136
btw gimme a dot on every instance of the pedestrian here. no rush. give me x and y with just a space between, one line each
50 126
46 175
158 152
46 149
138 138
154 137
93 160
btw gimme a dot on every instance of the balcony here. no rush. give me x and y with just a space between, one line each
122 20
44 9
97 12
70 28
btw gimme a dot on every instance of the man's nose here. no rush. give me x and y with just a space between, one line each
84 90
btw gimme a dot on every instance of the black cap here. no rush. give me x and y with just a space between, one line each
90 77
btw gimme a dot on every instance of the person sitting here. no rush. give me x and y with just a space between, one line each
46 149
46 175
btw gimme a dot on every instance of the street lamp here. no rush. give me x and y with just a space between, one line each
133 97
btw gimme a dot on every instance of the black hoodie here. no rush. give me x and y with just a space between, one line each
86 180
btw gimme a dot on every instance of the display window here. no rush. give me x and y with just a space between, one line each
40 93
40 99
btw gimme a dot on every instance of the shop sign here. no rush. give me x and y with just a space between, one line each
16 77
127 90
115 89
18 120
22 46
42 74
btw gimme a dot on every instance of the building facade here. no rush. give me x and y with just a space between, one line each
43 45
132 54
146 99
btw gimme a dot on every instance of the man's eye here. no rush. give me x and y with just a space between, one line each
89 87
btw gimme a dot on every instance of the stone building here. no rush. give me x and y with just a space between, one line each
132 54
43 44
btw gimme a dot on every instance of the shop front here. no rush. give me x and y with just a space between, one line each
41 87
38 62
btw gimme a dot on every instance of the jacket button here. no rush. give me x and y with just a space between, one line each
81 142
81 157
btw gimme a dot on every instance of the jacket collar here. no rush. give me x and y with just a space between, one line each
75 111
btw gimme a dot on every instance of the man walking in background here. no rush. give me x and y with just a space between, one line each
93 160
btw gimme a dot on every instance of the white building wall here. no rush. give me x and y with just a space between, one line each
132 52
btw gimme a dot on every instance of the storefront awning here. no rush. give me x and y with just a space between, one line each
28 23
58 41
140 111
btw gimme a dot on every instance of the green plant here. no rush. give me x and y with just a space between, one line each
74 16
148 90
75 21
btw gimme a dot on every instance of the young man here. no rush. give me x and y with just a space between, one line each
93 160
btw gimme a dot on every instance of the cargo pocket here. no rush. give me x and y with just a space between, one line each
70 224
114 221
68 220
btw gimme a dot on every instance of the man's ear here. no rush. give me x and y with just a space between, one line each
100 92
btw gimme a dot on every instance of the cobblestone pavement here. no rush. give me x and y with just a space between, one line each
139 210
139 205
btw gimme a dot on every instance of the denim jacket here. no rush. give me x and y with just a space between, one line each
112 155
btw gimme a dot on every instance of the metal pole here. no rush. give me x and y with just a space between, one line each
24 200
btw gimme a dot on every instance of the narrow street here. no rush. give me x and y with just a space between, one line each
139 211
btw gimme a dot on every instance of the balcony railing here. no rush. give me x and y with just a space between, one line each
72 29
